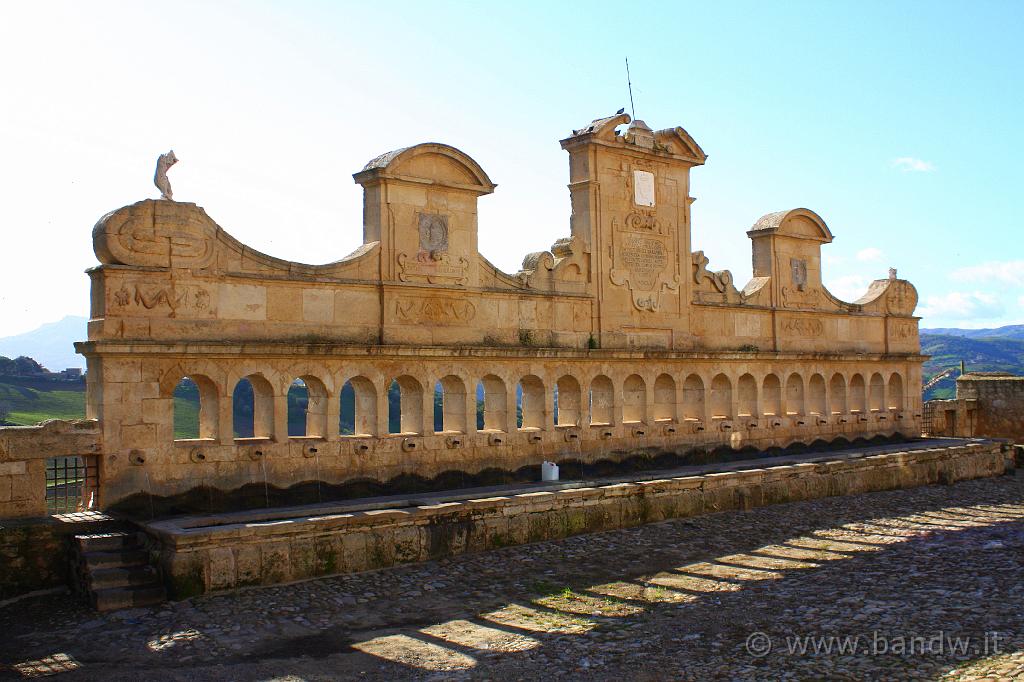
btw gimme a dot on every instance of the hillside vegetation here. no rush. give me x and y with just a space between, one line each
24 402
979 353
1012 331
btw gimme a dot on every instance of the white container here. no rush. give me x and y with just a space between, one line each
549 471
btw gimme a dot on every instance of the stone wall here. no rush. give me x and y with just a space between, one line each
199 558
1000 404
34 555
987 404
23 454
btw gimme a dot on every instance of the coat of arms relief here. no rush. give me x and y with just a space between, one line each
432 262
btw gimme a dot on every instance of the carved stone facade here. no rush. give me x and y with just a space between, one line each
646 347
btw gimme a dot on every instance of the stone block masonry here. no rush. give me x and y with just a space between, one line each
989 404
23 454
266 551
35 552
416 358
33 556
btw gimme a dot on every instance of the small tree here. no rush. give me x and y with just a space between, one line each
26 366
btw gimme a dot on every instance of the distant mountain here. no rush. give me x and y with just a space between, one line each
51 344
1013 331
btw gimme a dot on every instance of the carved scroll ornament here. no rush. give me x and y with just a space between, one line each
439 269
901 298
433 310
793 297
721 281
803 327
140 298
156 234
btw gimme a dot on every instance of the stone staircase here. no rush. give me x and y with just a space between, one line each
112 570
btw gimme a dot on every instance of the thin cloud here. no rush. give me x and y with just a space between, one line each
870 254
962 305
908 164
1004 272
848 287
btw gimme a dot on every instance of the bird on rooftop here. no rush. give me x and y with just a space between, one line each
622 110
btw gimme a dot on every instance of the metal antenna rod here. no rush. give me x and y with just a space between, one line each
632 108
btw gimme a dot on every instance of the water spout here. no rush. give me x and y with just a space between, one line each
149 490
266 487
316 458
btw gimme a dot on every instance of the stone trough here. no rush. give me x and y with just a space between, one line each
219 552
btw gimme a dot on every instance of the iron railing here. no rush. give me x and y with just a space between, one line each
71 483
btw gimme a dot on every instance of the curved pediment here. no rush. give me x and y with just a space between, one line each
432 163
801 223
677 141
157 233
603 128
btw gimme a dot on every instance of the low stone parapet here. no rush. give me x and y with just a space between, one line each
23 454
238 550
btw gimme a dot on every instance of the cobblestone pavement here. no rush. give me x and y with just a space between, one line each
913 584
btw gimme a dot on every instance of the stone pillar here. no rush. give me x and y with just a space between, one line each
510 409
382 409
331 431
280 434
226 418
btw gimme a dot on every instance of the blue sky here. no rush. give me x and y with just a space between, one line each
899 123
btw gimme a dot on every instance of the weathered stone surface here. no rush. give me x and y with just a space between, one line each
986 403
33 556
307 546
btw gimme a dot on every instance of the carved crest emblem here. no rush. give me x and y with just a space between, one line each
798 273
433 228
432 262
901 299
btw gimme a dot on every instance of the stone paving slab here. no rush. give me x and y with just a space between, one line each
913 584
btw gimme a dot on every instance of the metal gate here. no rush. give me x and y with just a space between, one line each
71 483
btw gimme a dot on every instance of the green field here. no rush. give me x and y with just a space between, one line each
28 403
186 418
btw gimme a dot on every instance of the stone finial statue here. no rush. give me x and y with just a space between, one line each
163 164
892 273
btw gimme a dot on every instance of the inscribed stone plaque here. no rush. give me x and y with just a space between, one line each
643 188
645 259
641 263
